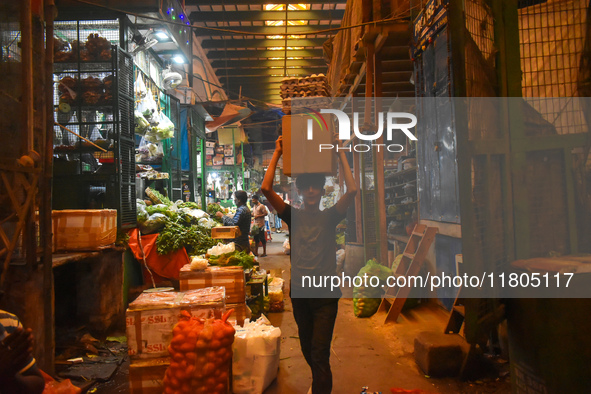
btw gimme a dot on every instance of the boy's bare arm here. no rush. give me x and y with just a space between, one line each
349 196
267 185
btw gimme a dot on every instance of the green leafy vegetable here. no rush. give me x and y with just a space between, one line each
189 204
175 235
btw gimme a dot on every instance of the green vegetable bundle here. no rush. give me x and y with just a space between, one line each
195 239
189 204
241 259
212 209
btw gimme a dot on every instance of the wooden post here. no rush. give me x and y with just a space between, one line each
27 74
45 227
379 165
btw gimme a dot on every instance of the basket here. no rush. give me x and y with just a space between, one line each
84 229
152 196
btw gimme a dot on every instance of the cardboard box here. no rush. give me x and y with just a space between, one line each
225 232
232 278
84 229
228 161
147 376
210 144
241 313
309 158
152 316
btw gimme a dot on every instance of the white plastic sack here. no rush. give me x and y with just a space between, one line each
286 247
255 359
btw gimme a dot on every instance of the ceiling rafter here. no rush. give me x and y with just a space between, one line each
265 30
212 16
220 45
265 54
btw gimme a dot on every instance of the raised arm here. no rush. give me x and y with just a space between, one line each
267 186
349 196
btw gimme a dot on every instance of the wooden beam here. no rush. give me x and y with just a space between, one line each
222 45
249 2
252 54
267 79
265 64
219 16
252 72
264 30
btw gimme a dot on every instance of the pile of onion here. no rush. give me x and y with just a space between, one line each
201 353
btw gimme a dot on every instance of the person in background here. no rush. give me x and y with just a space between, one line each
240 219
312 240
259 211
18 369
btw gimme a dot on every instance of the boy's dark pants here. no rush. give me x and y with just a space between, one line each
315 318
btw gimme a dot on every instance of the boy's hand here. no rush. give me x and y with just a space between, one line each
219 214
279 145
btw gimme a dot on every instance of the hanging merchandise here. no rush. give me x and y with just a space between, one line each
161 128
149 152
147 106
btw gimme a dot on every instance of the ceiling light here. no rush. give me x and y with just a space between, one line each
178 59
161 35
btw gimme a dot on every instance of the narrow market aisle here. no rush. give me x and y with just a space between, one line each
365 351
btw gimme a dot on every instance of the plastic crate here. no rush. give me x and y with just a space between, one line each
84 229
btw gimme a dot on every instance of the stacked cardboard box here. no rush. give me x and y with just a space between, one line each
151 317
150 320
231 278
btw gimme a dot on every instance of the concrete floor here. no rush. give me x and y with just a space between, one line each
365 351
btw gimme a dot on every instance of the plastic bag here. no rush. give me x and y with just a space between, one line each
142 213
141 123
149 152
154 223
286 247
366 300
139 87
52 386
162 128
256 355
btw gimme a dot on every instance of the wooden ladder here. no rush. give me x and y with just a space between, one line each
410 264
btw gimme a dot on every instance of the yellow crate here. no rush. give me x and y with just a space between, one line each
225 232
84 229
